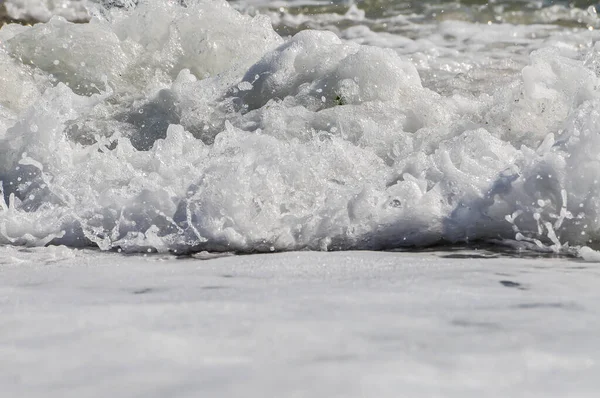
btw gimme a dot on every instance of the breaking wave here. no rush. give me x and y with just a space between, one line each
186 126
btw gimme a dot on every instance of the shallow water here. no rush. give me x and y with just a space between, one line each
274 126
344 324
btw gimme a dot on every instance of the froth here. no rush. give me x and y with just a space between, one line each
194 127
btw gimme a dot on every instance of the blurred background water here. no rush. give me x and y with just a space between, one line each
511 11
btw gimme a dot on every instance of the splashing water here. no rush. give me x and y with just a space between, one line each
184 126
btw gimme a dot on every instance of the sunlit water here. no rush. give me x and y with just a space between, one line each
284 125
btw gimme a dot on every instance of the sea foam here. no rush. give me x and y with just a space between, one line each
184 127
43 10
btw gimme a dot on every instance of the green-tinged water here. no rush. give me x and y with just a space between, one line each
562 13
565 13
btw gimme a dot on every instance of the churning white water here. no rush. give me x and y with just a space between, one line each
271 126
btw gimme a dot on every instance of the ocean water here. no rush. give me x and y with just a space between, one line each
304 324
258 126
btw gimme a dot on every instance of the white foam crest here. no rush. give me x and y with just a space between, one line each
168 127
